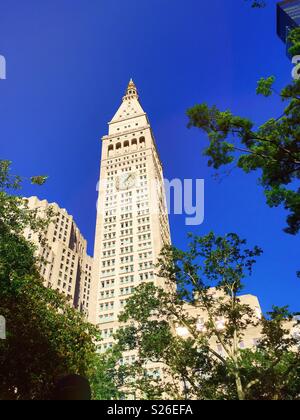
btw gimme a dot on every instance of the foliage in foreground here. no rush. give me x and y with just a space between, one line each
106 377
46 338
207 362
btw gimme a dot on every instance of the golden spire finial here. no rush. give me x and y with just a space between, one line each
131 91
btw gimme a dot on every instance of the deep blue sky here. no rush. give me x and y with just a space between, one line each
68 63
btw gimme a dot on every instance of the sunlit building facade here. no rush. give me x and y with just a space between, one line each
66 267
132 220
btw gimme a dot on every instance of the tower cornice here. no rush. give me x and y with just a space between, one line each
132 130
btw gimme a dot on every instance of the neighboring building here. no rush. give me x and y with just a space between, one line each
251 334
132 219
288 17
67 266
85 284
249 338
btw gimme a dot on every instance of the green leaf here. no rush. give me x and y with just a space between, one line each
264 86
38 180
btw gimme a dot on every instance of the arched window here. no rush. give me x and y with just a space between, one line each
126 143
118 146
110 150
142 142
134 144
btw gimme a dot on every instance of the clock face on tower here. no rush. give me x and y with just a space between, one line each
126 181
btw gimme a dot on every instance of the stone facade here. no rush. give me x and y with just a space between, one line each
132 219
67 267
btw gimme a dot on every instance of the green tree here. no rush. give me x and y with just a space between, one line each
294 42
107 378
273 148
152 315
46 338
190 364
272 370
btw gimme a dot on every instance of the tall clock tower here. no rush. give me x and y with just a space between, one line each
132 220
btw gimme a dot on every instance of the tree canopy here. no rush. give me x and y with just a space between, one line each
176 357
45 338
273 148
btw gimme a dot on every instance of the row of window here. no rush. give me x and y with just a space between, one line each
107 333
145 265
64 285
108 273
144 245
107 294
109 253
109 317
115 165
125 279
126 260
126 145
65 277
126 249
142 167
106 306
109 162
127 269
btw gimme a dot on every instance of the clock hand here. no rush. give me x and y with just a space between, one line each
131 176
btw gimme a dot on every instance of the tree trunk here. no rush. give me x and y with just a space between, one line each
239 387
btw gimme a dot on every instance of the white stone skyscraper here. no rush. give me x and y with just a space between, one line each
132 219
66 267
